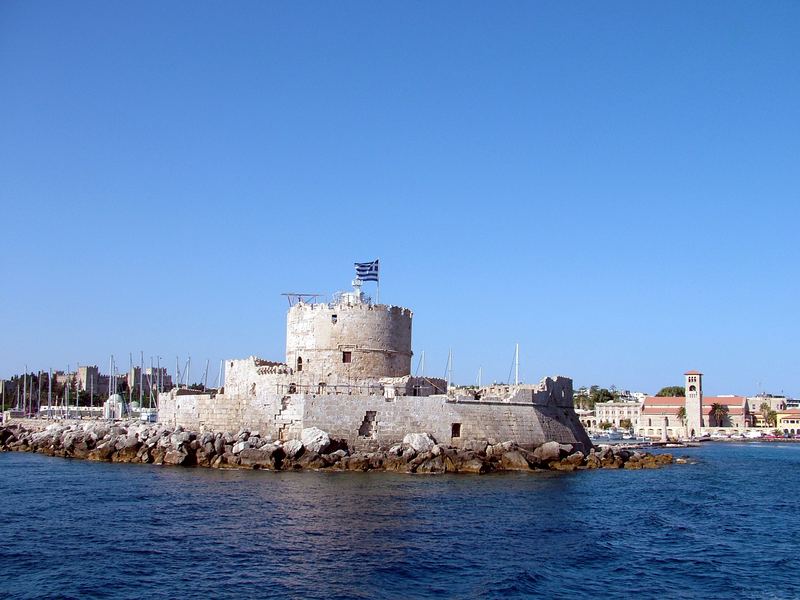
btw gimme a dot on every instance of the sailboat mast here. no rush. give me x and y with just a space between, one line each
141 378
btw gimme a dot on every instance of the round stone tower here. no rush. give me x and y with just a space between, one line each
348 340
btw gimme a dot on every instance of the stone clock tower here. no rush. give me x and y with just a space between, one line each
694 403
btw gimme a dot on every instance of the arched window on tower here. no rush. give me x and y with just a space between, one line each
299 363
692 388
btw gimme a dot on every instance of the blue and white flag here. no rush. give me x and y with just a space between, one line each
367 271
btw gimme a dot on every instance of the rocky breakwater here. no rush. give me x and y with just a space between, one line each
315 450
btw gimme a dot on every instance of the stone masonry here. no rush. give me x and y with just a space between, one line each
347 372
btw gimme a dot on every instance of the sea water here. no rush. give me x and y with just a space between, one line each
727 526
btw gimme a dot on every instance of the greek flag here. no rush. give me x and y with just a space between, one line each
367 271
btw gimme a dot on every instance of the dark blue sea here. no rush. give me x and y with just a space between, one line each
725 527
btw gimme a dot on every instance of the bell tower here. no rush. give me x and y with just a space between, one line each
694 403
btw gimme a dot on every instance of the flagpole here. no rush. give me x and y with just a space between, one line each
378 263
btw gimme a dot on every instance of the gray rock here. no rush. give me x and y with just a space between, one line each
315 439
293 448
420 442
256 458
548 452
239 446
476 445
513 460
175 457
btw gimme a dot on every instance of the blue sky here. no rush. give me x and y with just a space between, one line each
614 186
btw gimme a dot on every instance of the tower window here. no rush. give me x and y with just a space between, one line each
692 388
299 363
347 357
334 318
455 430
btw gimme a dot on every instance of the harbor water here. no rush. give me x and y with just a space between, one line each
724 527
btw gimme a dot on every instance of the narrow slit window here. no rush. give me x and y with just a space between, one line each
347 357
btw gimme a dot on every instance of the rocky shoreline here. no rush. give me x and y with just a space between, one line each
419 452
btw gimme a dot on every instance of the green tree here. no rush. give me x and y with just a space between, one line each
770 416
719 412
588 398
672 390
682 415
604 425
626 423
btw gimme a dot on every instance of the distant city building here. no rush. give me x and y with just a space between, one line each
616 411
155 378
89 379
774 402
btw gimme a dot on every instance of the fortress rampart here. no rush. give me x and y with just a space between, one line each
529 415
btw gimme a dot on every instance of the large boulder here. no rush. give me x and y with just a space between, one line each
240 446
420 442
293 448
548 452
260 458
176 457
315 440
434 464
513 460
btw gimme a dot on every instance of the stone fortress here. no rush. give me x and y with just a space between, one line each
348 372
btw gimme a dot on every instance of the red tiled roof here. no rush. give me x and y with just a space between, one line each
660 410
732 410
724 400
664 401
693 373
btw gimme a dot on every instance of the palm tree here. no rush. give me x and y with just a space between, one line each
719 412
682 415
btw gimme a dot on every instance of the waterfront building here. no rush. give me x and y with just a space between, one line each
587 418
616 411
694 414
788 421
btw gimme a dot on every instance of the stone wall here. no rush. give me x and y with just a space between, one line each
528 415
337 343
